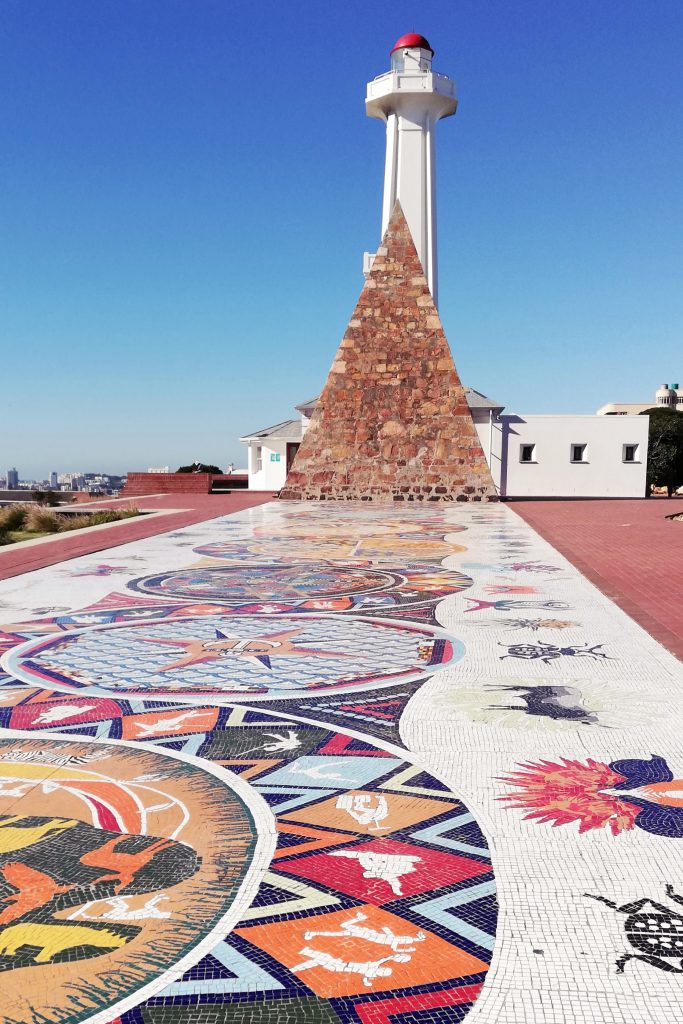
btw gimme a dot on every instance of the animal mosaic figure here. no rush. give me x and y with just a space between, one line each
33 890
505 605
121 865
51 939
58 712
560 703
354 929
120 910
146 729
533 566
657 933
100 570
535 624
15 834
280 743
319 771
509 588
549 652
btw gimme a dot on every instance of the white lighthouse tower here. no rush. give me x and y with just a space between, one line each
411 98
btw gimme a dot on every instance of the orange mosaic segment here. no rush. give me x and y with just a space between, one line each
370 813
392 422
349 952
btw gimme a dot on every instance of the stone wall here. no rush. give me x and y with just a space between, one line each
392 422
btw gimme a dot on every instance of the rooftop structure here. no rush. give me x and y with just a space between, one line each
666 396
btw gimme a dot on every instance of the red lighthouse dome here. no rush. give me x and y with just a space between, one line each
411 40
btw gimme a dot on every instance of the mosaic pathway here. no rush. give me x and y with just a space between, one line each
336 764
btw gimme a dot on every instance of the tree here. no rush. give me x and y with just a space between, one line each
199 467
665 449
45 497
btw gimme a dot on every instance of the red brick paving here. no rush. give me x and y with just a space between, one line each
628 549
194 508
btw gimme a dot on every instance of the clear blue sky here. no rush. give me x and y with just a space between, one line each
186 189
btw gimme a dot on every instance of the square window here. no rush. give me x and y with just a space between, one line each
578 453
527 453
630 453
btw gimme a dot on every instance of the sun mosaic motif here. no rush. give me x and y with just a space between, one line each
280 813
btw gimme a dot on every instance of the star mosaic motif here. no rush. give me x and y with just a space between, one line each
258 650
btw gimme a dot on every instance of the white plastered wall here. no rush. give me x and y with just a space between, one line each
552 474
273 470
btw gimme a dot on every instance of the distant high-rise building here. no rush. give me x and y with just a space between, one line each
12 479
54 482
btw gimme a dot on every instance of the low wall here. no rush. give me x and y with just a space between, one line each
140 484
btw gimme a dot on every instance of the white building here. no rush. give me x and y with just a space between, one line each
537 456
529 455
532 456
665 396
272 450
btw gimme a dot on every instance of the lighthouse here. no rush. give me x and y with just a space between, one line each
410 99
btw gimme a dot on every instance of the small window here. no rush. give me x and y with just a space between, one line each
258 459
630 453
578 453
527 453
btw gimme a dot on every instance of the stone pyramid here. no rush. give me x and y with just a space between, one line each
392 422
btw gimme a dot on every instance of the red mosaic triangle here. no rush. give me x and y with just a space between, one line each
392 422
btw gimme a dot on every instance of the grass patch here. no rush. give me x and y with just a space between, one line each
29 522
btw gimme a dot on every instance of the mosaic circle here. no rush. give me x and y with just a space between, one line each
253 657
259 588
134 860
257 583
390 549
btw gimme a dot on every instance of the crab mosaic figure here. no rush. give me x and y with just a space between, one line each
657 933
549 652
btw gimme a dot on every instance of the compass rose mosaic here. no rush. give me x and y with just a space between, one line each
221 654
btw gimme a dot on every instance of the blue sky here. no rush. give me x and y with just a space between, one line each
186 190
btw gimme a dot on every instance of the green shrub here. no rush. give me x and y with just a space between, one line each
32 519
105 515
199 467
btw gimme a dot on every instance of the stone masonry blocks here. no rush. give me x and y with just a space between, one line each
392 422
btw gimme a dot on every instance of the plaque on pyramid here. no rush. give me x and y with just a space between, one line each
392 422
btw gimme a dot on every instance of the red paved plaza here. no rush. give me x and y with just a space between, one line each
629 549
188 509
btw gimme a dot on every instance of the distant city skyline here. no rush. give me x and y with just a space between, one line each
187 193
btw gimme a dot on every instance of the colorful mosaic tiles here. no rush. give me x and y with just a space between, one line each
222 655
263 770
